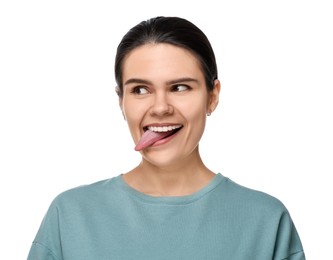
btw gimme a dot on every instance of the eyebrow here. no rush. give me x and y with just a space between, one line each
170 82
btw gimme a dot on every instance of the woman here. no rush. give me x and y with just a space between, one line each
171 206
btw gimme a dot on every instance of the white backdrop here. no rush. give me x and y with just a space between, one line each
60 125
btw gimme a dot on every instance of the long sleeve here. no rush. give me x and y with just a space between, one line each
47 243
41 252
288 244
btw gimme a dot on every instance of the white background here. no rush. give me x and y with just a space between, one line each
61 126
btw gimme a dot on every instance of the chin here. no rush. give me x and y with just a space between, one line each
161 158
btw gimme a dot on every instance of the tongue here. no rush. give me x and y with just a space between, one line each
150 137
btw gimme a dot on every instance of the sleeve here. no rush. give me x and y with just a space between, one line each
41 252
288 245
47 243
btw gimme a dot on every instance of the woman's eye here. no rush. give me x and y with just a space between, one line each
180 88
139 90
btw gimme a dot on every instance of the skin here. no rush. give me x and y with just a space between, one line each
165 85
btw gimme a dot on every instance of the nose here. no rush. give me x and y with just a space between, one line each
161 105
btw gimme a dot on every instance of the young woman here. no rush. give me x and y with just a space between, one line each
171 206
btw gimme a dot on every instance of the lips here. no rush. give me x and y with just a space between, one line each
154 134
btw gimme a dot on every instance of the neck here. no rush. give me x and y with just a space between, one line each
179 179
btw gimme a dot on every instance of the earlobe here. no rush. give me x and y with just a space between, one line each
120 100
214 96
117 90
122 112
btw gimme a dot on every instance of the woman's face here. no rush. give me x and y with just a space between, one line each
165 97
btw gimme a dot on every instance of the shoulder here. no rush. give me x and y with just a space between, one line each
88 193
268 215
252 199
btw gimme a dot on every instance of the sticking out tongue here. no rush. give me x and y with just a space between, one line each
150 137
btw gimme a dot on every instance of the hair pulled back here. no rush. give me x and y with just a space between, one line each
172 30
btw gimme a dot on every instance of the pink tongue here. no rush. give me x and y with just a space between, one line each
150 137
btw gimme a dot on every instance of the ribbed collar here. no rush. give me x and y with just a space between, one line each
171 200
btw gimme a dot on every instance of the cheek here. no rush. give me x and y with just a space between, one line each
134 113
193 109
129 108
131 113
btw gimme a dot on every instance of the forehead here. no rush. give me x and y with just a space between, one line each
156 60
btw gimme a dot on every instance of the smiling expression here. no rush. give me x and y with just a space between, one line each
165 91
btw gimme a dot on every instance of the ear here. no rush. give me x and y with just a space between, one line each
214 96
120 100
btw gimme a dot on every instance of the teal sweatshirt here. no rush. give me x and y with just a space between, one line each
111 220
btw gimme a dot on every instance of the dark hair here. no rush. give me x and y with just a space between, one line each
172 30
